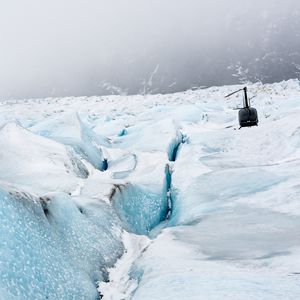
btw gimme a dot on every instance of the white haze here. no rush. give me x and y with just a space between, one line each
75 47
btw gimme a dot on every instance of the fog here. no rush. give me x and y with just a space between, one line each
94 47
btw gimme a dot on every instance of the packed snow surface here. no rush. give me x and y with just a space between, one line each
151 197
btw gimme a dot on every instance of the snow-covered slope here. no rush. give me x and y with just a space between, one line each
203 211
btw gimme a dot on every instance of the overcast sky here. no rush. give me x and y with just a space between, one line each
71 47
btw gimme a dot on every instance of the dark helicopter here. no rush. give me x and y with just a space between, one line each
247 114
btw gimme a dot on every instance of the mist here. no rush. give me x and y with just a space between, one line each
96 47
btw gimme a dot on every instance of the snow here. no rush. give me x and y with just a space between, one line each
121 285
28 158
151 197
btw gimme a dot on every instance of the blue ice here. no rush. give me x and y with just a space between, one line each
56 250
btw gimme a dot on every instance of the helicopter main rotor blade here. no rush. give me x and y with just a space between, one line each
234 93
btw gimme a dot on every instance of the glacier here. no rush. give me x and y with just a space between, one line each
151 196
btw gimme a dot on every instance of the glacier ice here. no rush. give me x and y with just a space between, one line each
71 231
141 208
26 157
59 254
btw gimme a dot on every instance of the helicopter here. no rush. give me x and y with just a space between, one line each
247 115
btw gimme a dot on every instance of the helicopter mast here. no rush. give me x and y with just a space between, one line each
246 97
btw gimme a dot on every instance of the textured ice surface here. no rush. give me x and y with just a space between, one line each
55 251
